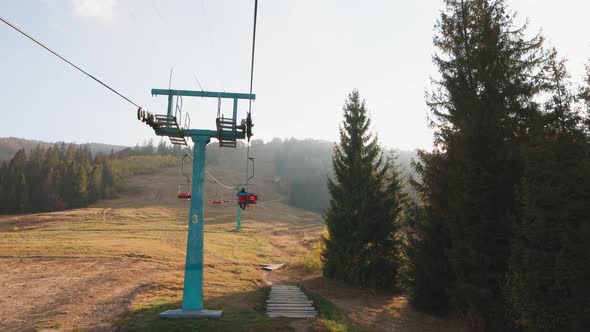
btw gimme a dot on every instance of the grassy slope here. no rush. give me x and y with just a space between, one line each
232 278
147 224
137 244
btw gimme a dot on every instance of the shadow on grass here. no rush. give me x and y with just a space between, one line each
330 317
241 312
373 308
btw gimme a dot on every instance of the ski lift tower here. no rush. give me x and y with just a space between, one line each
227 132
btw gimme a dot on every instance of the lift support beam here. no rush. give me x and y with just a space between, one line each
192 297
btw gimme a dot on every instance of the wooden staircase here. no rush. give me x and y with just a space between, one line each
289 301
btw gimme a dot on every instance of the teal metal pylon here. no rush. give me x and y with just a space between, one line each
227 132
239 219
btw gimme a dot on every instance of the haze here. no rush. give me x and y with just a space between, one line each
309 55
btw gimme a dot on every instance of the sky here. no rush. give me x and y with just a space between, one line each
309 55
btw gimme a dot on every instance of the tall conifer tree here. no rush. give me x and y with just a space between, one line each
482 107
584 95
428 239
361 244
549 265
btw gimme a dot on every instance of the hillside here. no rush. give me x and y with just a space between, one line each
10 145
120 262
296 169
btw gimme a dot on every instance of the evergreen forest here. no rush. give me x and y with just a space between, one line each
499 232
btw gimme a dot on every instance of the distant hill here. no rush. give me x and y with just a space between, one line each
294 168
291 169
10 145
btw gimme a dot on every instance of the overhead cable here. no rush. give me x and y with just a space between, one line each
251 84
253 49
68 62
206 171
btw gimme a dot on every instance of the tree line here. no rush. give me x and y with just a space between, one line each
500 233
67 176
295 168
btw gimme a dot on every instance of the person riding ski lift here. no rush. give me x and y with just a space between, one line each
242 198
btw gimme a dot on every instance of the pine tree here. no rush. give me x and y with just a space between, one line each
427 240
8 188
36 174
549 265
388 263
149 147
52 182
162 148
95 184
584 95
3 188
361 239
108 179
80 186
482 107
18 166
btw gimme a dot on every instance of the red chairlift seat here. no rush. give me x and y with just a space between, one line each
252 198
182 195
245 198
184 190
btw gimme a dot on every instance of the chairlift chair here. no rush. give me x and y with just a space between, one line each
252 198
182 194
244 197
185 194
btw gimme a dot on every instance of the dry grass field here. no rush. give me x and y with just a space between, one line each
116 265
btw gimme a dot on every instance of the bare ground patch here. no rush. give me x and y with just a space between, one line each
66 293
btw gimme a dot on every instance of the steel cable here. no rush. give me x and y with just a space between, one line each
68 62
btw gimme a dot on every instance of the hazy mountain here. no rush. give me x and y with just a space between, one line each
10 145
297 169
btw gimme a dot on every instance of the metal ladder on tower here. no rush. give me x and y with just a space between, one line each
165 121
226 124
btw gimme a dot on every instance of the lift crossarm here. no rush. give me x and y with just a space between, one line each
209 94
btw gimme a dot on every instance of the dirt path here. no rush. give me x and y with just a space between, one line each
67 293
380 311
370 310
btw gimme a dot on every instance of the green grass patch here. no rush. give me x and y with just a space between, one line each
145 318
311 261
330 317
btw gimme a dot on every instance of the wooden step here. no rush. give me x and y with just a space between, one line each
289 301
